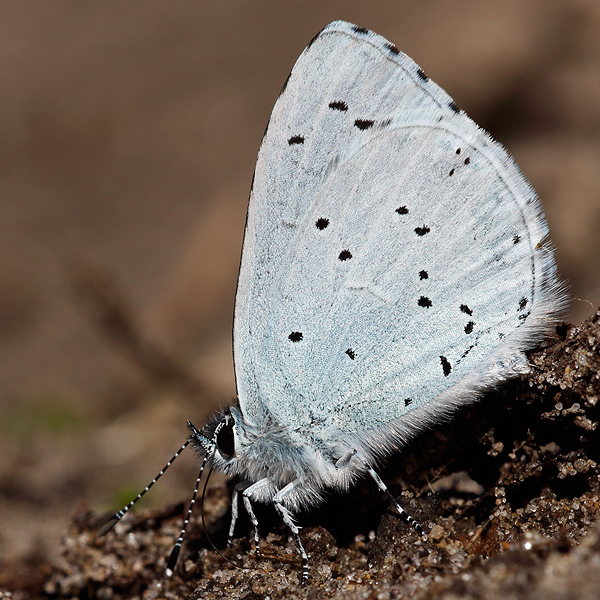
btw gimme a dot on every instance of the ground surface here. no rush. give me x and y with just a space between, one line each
511 508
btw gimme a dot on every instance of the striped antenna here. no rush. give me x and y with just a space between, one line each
169 570
104 529
172 562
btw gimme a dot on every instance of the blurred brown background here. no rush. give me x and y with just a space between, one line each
128 135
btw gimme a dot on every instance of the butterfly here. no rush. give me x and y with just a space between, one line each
394 268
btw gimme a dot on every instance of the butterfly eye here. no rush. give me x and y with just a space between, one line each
226 439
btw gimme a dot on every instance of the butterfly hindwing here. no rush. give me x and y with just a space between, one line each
391 246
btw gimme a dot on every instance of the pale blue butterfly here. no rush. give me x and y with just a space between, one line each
394 268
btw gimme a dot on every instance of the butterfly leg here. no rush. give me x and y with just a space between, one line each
254 491
288 520
239 487
344 461
403 514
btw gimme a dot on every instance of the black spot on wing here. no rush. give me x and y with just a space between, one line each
295 336
421 231
446 366
516 239
458 151
423 275
351 353
322 223
469 327
338 105
407 401
392 48
424 302
296 139
345 255
363 124
522 303
358 29
451 172
422 75
403 210
453 106
467 160
464 308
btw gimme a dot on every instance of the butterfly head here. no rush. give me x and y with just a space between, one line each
221 441
233 445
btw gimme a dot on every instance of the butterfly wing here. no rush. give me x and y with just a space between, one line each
393 262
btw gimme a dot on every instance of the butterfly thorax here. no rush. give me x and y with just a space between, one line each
270 451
